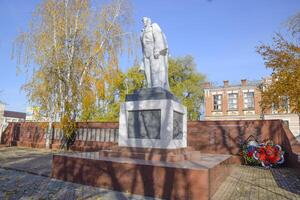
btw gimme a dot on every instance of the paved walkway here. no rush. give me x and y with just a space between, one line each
21 185
24 174
36 161
247 182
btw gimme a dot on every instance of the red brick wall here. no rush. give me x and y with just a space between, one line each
32 134
226 137
221 137
7 135
29 134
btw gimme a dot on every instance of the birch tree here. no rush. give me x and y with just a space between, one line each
71 55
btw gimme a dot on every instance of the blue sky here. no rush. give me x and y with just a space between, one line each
220 34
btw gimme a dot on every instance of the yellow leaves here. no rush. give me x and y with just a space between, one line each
88 105
100 89
283 57
88 99
68 126
75 51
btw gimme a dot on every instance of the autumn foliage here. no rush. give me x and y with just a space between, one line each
71 55
283 58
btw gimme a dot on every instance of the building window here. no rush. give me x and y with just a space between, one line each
285 104
249 100
274 108
282 106
218 102
232 101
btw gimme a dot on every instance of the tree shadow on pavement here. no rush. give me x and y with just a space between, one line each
31 163
287 179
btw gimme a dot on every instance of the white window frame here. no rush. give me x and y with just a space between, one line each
247 98
218 105
234 103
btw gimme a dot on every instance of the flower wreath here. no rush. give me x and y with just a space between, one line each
248 149
267 154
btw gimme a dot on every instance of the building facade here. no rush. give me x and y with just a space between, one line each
242 102
33 115
2 108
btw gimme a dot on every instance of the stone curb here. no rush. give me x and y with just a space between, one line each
23 170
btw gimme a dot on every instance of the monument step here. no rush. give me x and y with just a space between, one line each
194 179
173 155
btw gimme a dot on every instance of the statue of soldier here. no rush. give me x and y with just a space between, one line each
155 55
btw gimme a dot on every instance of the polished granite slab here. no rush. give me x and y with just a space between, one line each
155 93
199 161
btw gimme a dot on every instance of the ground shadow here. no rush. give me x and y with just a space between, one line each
287 179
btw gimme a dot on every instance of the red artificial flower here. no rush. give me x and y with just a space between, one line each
268 154
261 154
250 153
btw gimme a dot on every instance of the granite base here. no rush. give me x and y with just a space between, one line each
153 124
198 178
168 155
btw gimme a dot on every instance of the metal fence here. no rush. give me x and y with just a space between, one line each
91 134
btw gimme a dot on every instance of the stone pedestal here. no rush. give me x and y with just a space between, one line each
153 118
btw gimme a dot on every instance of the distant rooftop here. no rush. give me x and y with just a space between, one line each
243 83
14 114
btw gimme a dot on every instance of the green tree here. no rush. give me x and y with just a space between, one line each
108 109
185 83
283 57
116 90
71 54
134 80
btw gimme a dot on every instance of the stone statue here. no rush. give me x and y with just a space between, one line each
155 55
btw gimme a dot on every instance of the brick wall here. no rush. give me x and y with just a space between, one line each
227 137
89 136
7 134
220 137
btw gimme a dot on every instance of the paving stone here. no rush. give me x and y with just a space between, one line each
39 187
248 182
245 182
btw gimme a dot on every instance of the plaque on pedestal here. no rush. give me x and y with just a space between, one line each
153 118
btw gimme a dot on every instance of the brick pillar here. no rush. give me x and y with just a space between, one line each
241 102
224 103
12 133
